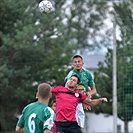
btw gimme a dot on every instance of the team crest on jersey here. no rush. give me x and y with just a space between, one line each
76 95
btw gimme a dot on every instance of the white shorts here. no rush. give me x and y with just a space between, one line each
80 115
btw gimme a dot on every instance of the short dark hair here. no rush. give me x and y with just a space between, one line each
75 75
52 102
77 56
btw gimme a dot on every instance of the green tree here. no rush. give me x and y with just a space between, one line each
37 48
124 69
125 63
25 61
103 80
125 83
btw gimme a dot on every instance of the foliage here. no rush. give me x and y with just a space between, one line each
25 61
125 78
103 77
125 63
103 80
37 48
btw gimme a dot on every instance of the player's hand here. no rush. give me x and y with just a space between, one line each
103 99
86 106
88 94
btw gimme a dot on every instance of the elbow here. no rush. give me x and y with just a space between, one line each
95 90
17 129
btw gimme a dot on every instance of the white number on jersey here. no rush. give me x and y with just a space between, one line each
31 122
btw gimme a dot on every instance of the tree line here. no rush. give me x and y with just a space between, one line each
37 48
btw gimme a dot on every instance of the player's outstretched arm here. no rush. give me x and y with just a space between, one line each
18 129
94 102
47 131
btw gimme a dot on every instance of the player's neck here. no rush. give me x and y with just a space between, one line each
78 70
71 88
43 101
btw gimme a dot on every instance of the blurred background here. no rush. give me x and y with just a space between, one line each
36 48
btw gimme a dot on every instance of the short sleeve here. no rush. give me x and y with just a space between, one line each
50 118
56 89
21 120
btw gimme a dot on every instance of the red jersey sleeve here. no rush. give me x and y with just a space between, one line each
56 89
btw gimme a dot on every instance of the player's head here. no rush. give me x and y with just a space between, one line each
44 91
77 62
76 76
73 81
53 105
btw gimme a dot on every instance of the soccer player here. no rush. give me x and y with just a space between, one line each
37 117
53 107
67 100
86 81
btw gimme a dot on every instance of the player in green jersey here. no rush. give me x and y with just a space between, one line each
37 117
86 81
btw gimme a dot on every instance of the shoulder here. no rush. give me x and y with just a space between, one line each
81 95
50 116
56 89
79 92
70 73
84 70
49 112
29 105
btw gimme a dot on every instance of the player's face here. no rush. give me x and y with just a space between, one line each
78 63
54 107
72 82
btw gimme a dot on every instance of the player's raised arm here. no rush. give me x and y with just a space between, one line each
47 131
94 102
17 128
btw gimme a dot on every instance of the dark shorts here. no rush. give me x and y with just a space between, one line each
67 127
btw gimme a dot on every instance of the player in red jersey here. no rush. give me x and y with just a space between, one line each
67 100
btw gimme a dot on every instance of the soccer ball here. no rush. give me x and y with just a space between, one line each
45 6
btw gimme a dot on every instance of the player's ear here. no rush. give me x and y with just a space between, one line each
50 95
82 62
72 64
36 95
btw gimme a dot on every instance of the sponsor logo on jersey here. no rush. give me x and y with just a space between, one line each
81 88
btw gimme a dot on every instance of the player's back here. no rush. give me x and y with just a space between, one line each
34 116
